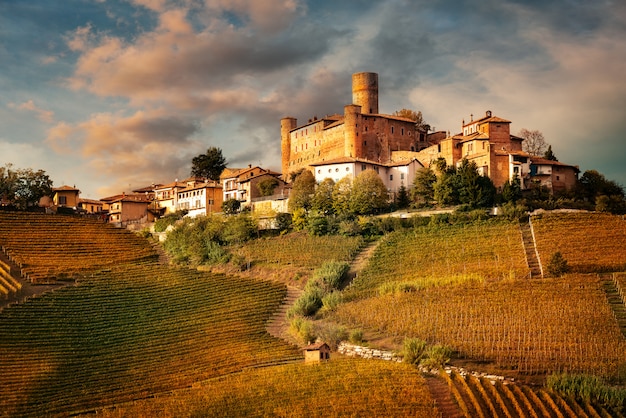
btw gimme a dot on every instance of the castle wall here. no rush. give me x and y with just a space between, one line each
365 92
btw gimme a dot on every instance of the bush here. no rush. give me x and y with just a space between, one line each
238 229
413 350
330 275
558 265
436 357
303 329
308 303
161 224
216 254
588 388
331 301
283 221
356 336
332 335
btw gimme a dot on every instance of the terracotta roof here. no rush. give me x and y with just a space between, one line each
348 160
65 189
140 198
486 119
543 161
230 172
208 185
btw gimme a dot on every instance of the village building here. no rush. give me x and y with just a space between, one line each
166 197
362 136
200 197
65 197
554 175
133 208
90 206
393 174
243 184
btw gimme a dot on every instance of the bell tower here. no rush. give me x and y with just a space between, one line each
365 92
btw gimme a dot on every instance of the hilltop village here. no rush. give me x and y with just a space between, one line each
338 146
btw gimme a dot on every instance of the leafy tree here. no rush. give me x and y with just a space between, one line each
445 189
239 229
415 116
369 194
512 190
593 184
209 165
24 187
231 206
322 201
534 142
302 191
267 186
423 190
549 155
341 196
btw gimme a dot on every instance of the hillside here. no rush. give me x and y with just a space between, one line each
133 337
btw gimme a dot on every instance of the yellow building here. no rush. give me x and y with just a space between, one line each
65 196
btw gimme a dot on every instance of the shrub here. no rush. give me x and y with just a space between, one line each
308 303
330 275
587 388
161 224
283 221
356 336
331 301
558 265
413 350
303 329
215 253
238 229
436 357
332 335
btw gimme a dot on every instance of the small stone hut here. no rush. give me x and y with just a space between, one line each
317 352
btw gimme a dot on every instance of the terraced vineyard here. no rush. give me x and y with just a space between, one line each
60 247
590 242
350 387
486 250
129 331
479 397
526 326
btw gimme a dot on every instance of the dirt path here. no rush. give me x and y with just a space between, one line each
360 261
443 398
278 325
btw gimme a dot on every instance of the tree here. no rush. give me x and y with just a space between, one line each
322 201
475 190
423 186
534 142
558 265
267 186
369 194
341 196
512 190
445 189
231 206
302 191
402 199
549 155
24 187
209 165
414 116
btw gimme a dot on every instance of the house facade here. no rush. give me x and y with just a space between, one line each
132 208
200 198
65 196
393 174
556 176
243 184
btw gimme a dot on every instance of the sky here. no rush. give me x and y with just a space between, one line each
114 95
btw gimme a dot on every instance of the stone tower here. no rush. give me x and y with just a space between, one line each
287 124
365 92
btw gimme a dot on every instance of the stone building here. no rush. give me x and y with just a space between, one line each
360 133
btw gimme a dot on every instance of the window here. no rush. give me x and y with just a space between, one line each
337 170
347 168
392 129
62 200
319 171
402 131
390 177
401 176
364 143
363 167
557 178
438 147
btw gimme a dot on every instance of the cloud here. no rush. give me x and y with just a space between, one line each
43 115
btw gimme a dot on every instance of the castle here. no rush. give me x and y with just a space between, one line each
363 137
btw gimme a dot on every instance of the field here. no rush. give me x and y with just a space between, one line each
350 387
485 250
132 337
530 327
590 242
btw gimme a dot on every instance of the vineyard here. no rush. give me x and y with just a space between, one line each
350 387
132 337
590 242
128 331
479 397
487 250
523 327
